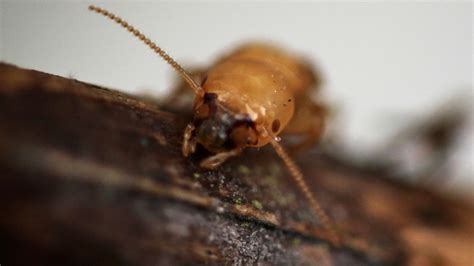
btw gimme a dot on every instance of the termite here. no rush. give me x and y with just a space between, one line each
246 100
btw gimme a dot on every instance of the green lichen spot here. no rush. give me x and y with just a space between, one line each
257 204
238 201
275 169
246 224
270 181
296 241
244 169
144 142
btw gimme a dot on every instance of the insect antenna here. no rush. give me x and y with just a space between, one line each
295 172
197 89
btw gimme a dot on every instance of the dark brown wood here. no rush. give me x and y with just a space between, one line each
91 176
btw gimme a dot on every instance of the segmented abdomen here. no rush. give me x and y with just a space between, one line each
261 81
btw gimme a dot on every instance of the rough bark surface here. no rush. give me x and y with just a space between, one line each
91 176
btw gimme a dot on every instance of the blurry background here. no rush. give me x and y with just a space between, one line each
391 70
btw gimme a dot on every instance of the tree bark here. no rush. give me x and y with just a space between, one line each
91 176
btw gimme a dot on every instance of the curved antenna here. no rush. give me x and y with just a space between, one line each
295 172
197 89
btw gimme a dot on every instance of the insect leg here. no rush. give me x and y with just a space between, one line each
189 143
217 159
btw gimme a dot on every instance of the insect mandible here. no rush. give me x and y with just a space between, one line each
246 100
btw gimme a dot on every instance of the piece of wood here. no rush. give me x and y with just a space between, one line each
91 176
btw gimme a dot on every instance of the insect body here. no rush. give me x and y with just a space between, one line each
246 100
249 98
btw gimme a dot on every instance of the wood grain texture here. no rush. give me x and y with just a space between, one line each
91 176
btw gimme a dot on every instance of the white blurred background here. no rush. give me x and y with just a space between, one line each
385 65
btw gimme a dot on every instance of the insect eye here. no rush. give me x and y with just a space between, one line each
275 125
